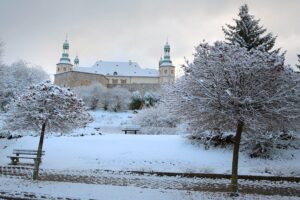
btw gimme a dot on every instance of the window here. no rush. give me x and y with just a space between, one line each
115 81
123 81
58 69
115 73
166 71
172 71
65 69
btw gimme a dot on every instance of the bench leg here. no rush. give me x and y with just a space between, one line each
125 132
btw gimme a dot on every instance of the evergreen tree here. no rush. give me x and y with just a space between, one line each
248 33
298 61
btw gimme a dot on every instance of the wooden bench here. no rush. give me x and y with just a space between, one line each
29 154
133 129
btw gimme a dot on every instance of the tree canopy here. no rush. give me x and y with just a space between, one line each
46 103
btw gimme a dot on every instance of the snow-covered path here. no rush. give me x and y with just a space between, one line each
116 180
25 189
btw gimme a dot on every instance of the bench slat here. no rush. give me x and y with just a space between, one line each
27 153
26 150
21 157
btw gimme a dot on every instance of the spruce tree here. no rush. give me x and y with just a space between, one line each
298 61
248 33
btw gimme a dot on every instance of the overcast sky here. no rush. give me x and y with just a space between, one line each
123 30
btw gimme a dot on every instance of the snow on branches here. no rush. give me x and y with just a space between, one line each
47 103
157 120
15 78
226 84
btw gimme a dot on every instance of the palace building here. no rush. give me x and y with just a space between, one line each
114 73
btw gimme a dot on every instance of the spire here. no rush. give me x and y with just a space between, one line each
76 61
65 55
167 51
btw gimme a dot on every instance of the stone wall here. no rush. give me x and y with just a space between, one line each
74 79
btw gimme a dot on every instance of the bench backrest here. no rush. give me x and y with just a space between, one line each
26 152
132 127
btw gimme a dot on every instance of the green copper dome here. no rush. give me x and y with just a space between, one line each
66 45
167 47
76 60
65 54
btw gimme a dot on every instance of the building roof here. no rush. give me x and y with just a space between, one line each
110 68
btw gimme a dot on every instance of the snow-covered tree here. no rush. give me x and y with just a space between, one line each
46 107
118 99
136 100
15 78
151 98
112 99
157 120
233 89
93 95
248 33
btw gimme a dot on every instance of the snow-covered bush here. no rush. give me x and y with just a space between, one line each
156 120
234 89
15 78
136 100
151 98
118 99
93 95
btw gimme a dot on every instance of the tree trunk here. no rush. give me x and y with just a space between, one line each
235 159
39 153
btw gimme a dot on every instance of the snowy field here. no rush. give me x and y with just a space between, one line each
113 150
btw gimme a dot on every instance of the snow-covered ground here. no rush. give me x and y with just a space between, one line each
62 190
113 150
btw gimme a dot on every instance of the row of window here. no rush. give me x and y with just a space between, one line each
116 81
64 69
166 71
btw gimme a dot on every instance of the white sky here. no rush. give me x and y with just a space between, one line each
120 30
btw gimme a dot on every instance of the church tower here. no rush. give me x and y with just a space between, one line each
64 64
166 69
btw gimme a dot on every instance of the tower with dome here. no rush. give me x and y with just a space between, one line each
64 64
166 68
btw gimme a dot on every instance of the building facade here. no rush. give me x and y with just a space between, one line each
113 73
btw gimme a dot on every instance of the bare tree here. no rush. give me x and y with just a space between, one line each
93 95
233 89
16 77
46 107
118 99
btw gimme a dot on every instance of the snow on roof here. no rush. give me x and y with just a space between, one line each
167 64
63 61
110 68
